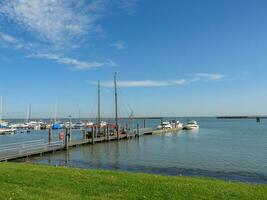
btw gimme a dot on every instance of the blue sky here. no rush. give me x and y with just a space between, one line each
173 58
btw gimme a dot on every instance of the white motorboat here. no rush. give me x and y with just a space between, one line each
89 123
7 131
165 125
177 124
79 125
103 124
19 126
191 125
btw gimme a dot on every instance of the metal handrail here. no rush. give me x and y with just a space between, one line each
29 148
21 143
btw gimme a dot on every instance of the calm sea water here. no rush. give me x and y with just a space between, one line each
228 149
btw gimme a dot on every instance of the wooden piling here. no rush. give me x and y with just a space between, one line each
144 123
84 134
66 139
126 129
137 129
108 134
50 135
93 135
118 133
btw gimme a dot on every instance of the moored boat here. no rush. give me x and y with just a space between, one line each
165 125
191 125
177 124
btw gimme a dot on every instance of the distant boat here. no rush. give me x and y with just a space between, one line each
79 125
19 126
89 123
177 124
165 125
103 124
6 130
57 126
191 125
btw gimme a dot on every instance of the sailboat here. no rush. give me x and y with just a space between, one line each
56 124
4 128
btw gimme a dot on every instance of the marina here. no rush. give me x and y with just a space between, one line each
129 99
97 134
226 149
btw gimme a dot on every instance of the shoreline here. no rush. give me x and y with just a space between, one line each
228 176
31 181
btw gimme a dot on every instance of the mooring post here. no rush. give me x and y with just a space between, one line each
144 123
50 135
104 132
96 130
93 135
84 134
66 140
126 129
107 133
118 132
137 128
69 132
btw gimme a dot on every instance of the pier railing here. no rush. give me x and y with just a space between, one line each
27 148
37 147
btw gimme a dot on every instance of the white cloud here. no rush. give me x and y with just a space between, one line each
7 38
77 64
56 21
153 83
207 76
118 45
58 26
142 83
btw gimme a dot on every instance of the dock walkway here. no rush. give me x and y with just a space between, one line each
38 147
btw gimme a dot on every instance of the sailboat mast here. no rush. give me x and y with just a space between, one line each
29 113
116 104
55 117
98 106
1 108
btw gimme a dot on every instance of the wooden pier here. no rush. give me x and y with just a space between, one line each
38 147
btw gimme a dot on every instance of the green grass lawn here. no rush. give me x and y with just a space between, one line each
27 181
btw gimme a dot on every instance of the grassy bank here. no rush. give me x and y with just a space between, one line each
26 181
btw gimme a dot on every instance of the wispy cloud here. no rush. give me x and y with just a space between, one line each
144 83
56 28
160 83
128 6
55 21
77 64
118 45
207 76
7 38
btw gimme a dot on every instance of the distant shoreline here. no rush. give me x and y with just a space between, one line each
242 117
